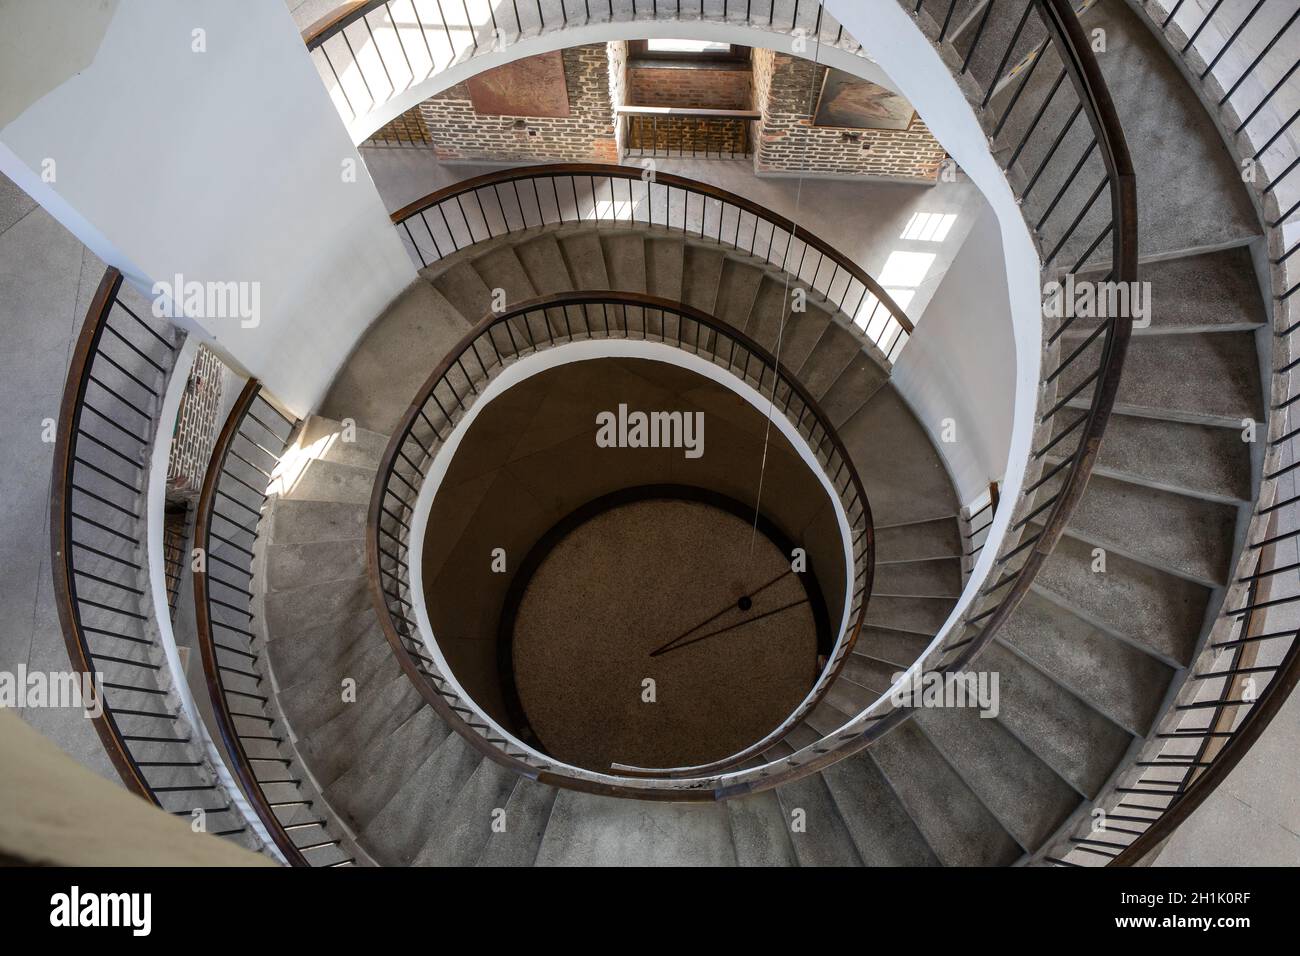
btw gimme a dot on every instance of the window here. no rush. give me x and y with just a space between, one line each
690 51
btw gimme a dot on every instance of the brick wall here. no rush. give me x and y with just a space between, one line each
785 91
587 134
693 88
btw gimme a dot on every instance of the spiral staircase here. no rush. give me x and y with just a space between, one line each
1122 683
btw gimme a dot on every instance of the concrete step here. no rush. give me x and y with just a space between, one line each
1076 741
288 613
916 615
304 654
663 267
817 831
1025 795
394 358
332 749
957 826
1203 460
305 522
1210 378
585 259
1149 608
701 274
1115 677
587 830
415 813
939 577
500 268
876 820
321 480
313 702
1177 533
381 769
1211 292
853 387
528 813
290 566
759 831
467 825
737 292
835 350
544 264
329 440
464 288
903 475
918 540
625 260
874 675
899 648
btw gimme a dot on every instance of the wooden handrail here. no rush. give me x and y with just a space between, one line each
65 587
630 173
431 695
230 736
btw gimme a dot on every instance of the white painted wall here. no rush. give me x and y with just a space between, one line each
892 40
961 364
224 165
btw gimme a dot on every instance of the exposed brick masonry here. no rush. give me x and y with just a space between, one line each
586 135
786 89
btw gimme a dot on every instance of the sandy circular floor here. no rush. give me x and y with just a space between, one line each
630 581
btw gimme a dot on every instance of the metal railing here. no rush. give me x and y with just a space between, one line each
1242 58
235 489
668 131
530 197
446 398
1035 124
108 421
370 53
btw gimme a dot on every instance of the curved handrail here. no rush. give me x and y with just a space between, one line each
373 52
505 201
442 401
1076 444
233 494
63 543
1218 712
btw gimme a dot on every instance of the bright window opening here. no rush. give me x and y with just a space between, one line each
686 46
929 226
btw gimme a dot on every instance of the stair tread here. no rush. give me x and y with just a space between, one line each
1209 377
1149 607
940 577
958 827
363 789
467 825
1076 741
1180 456
881 829
901 471
919 541
589 830
1023 793
1113 676
414 813
824 840
528 813
543 262
625 261
759 832
1188 535
394 358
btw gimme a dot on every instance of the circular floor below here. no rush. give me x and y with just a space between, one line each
660 633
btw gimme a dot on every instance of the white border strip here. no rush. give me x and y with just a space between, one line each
154 508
